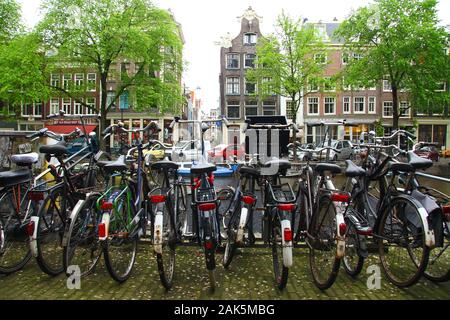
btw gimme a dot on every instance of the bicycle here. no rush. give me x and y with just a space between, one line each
321 221
396 222
48 225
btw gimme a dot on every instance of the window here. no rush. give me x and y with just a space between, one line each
67 79
345 85
250 60
124 101
54 106
79 78
54 82
345 57
440 86
371 105
92 81
268 86
321 31
269 103
330 105
66 105
251 108
358 105
346 105
91 104
232 61
233 110
32 109
250 87
233 85
387 109
328 84
387 86
405 110
250 38
269 111
38 109
313 85
77 108
289 109
357 56
372 87
313 105
320 58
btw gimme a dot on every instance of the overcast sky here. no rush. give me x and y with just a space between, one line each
204 22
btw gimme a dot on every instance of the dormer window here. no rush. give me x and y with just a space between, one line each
250 38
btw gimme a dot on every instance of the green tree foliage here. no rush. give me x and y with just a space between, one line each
286 61
400 41
9 20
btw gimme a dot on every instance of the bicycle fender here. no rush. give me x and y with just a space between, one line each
33 237
242 223
340 252
287 245
157 242
70 221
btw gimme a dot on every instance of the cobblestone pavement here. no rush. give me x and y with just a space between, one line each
249 277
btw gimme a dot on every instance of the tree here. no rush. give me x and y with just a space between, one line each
398 41
288 60
9 20
96 35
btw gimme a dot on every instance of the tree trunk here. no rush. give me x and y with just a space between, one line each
294 110
104 144
395 109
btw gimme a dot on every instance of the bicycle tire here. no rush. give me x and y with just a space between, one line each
120 267
405 275
281 272
323 240
231 245
440 272
82 244
352 261
166 258
225 198
7 229
50 232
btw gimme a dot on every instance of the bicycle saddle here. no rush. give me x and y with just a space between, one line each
418 162
25 160
400 167
250 171
118 165
164 165
56 150
353 170
203 168
11 178
331 167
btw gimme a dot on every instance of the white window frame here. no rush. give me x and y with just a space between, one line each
79 81
333 86
229 83
55 79
310 86
92 81
91 101
66 105
67 80
245 60
238 61
445 86
245 87
384 108
387 87
345 86
349 105
354 105
408 114
251 106
253 36
374 103
318 106
266 80
325 106
317 55
77 108
343 53
33 114
54 105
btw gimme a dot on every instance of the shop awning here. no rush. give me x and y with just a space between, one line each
68 128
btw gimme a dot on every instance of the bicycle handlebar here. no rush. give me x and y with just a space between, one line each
396 133
179 120
270 126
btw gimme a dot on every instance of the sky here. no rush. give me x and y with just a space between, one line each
204 22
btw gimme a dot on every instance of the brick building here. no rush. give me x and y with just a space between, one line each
236 94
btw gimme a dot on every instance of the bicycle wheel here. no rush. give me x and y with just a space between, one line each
401 242
323 262
353 261
50 231
280 271
225 198
119 247
438 269
180 207
166 244
209 232
14 241
231 245
83 248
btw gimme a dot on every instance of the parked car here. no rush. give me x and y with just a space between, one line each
428 153
223 152
301 154
344 146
